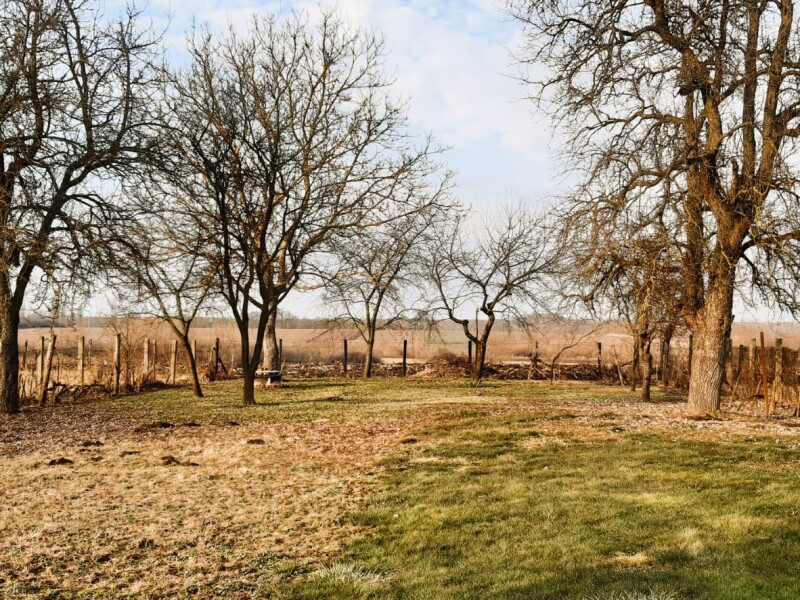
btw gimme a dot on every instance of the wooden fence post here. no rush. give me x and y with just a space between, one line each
739 362
117 362
173 362
344 362
40 362
599 361
81 366
216 358
154 359
728 373
777 384
405 357
753 365
469 351
619 369
145 361
48 366
25 356
764 375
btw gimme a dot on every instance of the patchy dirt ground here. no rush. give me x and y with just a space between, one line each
163 495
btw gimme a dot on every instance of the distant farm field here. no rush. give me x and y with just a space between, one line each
325 343
575 343
422 488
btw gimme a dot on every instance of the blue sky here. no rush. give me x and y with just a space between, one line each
451 59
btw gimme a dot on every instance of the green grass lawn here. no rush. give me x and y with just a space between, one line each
500 507
417 489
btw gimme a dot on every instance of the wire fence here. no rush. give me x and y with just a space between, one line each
755 374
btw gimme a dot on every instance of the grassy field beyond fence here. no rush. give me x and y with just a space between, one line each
397 489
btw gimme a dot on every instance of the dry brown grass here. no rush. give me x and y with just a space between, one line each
244 505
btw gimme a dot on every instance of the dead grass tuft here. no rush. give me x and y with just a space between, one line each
347 573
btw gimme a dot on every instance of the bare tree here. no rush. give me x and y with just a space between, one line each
374 272
501 270
75 111
687 114
284 136
161 268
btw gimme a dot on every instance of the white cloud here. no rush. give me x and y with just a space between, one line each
453 63
451 60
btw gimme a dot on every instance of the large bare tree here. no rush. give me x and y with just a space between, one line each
76 96
503 269
285 136
688 113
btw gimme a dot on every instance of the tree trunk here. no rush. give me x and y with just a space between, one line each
635 361
666 341
369 354
187 347
249 366
478 363
249 392
271 354
712 327
9 358
647 368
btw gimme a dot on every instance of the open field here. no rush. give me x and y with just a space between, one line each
397 489
325 344
313 345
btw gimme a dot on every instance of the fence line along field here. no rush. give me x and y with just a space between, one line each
304 346
148 355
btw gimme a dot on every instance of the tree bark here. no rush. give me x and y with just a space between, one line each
480 359
647 368
271 354
369 354
666 341
250 362
249 391
187 347
9 358
711 330
635 361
